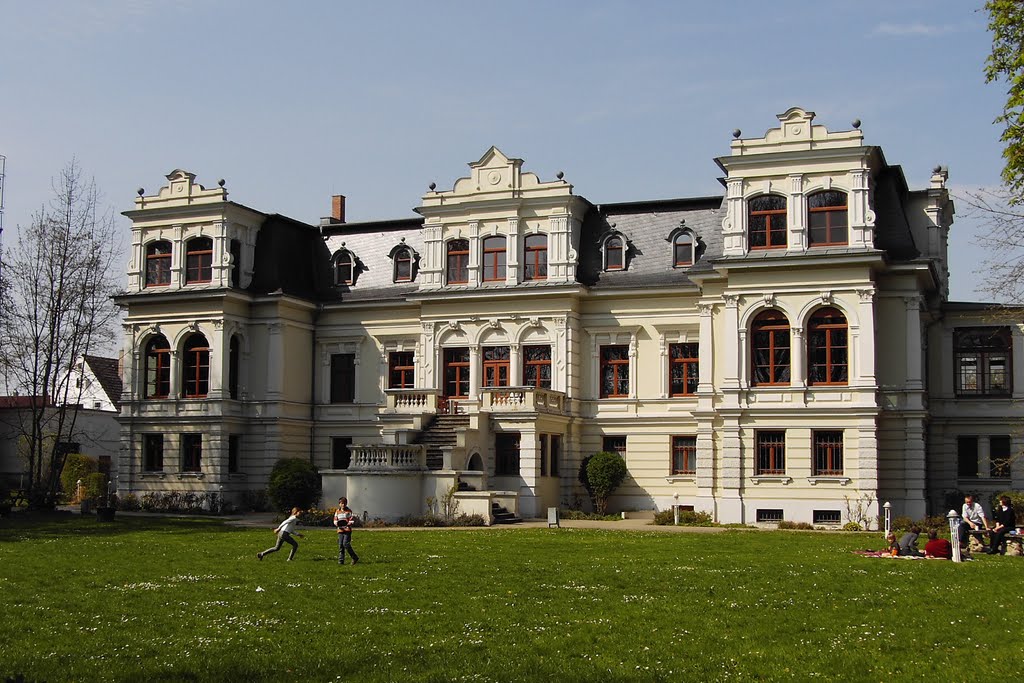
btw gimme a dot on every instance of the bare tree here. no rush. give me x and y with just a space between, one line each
56 283
1001 218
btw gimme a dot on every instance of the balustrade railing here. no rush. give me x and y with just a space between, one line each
522 399
412 400
383 457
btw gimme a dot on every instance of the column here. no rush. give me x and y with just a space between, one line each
515 365
218 362
796 233
914 468
797 359
473 235
275 360
913 308
731 351
529 471
513 249
730 506
1017 359
475 371
706 351
865 370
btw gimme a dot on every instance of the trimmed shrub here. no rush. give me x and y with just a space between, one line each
852 526
605 471
294 483
686 518
76 466
94 487
580 514
799 526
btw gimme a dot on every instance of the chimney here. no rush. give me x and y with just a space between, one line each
338 208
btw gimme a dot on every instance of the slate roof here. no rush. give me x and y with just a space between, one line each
108 373
372 244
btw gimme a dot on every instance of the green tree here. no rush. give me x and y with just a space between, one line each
605 471
1006 63
294 483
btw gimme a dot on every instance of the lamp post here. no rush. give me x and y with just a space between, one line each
954 534
888 518
78 490
675 509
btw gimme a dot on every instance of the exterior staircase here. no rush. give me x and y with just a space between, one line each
502 516
441 432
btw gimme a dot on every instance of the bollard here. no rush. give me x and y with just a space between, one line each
888 518
954 534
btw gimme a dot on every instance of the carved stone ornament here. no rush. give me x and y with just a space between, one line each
826 297
769 299
455 325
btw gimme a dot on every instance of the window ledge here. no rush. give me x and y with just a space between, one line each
681 478
771 479
154 475
190 475
842 481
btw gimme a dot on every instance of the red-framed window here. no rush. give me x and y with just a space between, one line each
771 453
403 265
198 260
196 367
827 220
537 366
401 370
682 250
828 453
535 265
682 369
614 253
458 262
615 371
983 361
456 373
191 452
766 222
344 268
770 351
157 370
494 259
684 455
158 264
827 352
496 366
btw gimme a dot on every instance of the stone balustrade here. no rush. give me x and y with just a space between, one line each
388 457
412 401
522 400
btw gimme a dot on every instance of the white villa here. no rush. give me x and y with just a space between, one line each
787 351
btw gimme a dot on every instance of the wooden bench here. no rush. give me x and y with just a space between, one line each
14 498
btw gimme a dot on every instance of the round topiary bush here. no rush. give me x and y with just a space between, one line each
605 471
294 483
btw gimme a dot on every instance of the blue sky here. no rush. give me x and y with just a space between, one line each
294 102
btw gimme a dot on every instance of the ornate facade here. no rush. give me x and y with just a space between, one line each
786 351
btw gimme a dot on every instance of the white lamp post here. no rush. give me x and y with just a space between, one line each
675 509
888 518
954 534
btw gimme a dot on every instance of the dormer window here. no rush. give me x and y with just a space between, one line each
536 261
458 262
827 218
614 253
494 259
766 222
158 264
403 265
198 260
344 268
682 250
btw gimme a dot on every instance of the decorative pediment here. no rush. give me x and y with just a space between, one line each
181 189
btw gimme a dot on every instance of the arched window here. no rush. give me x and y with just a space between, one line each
158 264
494 259
682 250
234 354
614 253
827 218
458 262
827 351
403 265
766 222
157 370
536 258
195 369
344 268
769 349
198 260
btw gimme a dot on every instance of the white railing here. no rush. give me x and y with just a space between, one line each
413 401
522 400
383 457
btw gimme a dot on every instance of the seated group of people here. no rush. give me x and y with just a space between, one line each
973 520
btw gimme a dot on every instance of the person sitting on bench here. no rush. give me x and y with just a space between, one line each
1005 522
973 520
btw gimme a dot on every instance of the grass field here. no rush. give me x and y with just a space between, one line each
173 599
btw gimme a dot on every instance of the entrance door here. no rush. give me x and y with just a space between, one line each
456 376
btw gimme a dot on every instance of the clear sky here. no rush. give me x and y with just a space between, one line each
292 102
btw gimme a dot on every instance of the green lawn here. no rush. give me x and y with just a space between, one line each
171 599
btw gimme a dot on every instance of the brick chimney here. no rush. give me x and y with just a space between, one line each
338 208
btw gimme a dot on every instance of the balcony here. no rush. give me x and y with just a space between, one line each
388 458
521 400
411 401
